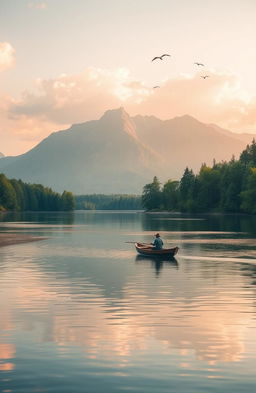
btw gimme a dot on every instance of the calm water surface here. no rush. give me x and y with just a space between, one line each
81 312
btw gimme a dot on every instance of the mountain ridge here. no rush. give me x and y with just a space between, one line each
119 153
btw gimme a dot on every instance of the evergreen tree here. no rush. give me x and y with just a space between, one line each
186 191
227 187
151 196
248 196
208 193
248 156
7 194
170 195
16 195
68 201
234 175
18 188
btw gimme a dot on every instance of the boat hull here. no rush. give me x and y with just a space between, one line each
142 249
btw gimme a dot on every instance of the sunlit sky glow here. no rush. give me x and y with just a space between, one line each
64 61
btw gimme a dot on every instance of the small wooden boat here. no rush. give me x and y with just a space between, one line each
147 250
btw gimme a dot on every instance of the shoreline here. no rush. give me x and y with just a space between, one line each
198 213
9 239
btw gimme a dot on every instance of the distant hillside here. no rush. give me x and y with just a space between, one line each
108 202
245 137
119 153
102 156
1 155
184 141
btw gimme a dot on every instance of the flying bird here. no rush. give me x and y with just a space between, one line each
199 64
160 57
205 76
155 87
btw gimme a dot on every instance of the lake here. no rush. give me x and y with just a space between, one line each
81 312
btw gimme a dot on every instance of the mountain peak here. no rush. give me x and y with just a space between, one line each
120 154
118 113
187 117
1 155
121 119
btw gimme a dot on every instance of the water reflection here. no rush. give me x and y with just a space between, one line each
7 353
157 262
180 312
184 222
83 297
66 218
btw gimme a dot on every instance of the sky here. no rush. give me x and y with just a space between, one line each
64 62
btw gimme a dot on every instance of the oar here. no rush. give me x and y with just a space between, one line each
147 244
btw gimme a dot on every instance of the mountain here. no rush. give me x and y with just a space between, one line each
245 136
185 141
119 153
94 157
1 155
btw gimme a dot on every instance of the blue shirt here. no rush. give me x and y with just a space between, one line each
158 243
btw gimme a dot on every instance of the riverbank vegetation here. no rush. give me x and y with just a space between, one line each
108 202
19 196
228 187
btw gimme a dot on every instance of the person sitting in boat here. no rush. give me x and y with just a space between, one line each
158 242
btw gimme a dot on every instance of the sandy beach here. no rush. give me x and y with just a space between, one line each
7 239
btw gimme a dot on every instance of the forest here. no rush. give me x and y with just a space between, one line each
108 202
19 196
227 187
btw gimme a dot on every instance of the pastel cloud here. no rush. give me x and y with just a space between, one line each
77 98
7 56
68 99
219 99
20 134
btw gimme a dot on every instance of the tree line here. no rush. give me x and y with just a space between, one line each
228 187
19 196
108 202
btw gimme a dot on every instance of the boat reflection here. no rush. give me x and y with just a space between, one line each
157 262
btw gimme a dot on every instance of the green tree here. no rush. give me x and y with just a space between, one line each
68 201
7 194
187 191
18 189
152 196
16 195
208 193
248 156
233 179
248 196
170 195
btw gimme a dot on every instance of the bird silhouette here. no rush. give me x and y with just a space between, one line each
199 64
161 57
205 76
155 87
